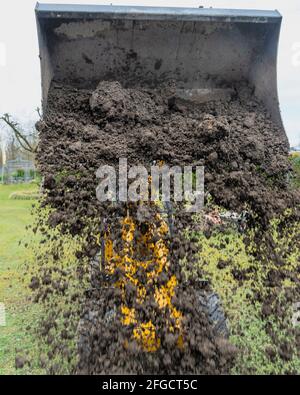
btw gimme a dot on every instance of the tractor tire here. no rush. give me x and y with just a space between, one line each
211 303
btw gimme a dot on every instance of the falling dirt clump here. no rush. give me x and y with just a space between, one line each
246 169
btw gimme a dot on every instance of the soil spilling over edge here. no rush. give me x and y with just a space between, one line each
246 168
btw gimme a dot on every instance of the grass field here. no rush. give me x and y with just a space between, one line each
14 293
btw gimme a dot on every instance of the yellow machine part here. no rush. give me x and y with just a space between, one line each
158 261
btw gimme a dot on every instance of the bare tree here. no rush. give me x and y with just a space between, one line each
27 141
12 147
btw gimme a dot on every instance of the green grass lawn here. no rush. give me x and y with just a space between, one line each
14 292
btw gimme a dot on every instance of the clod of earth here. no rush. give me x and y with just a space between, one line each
246 166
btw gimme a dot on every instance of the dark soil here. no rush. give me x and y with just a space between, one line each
246 168
244 154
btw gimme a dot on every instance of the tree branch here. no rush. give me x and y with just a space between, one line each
23 141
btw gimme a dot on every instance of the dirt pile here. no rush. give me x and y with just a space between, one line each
243 152
246 168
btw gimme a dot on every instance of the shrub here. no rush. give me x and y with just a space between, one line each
24 195
295 160
5 178
19 173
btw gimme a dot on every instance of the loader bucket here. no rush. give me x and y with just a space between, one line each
205 51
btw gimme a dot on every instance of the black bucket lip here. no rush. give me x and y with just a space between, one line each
45 10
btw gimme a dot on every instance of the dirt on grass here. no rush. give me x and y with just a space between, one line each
246 169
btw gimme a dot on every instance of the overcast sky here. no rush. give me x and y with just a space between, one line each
20 92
